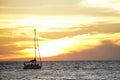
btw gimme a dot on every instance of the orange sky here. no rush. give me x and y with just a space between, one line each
66 29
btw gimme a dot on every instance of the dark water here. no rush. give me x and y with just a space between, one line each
62 70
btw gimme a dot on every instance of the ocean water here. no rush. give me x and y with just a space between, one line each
62 70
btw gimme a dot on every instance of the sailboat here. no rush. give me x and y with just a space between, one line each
33 64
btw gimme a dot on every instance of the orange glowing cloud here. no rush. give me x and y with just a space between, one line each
64 27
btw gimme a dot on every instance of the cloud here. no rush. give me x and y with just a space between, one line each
95 28
61 7
70 40
35 6
13 40
100 8
99 12
113 4
83 36
34 3
11 49
82 42
57 33
102 27
106 51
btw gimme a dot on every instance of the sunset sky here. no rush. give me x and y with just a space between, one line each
66 29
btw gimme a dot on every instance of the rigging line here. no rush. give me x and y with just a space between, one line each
39 52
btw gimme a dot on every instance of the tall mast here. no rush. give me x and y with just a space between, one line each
35 43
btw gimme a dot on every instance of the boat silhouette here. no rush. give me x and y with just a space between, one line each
33 64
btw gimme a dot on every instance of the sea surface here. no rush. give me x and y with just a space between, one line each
62 70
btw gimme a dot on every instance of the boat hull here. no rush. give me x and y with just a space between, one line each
29 66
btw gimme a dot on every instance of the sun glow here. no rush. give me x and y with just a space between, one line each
45 51
66 45
49 50
55 47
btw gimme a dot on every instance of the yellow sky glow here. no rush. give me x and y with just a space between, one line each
63 27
